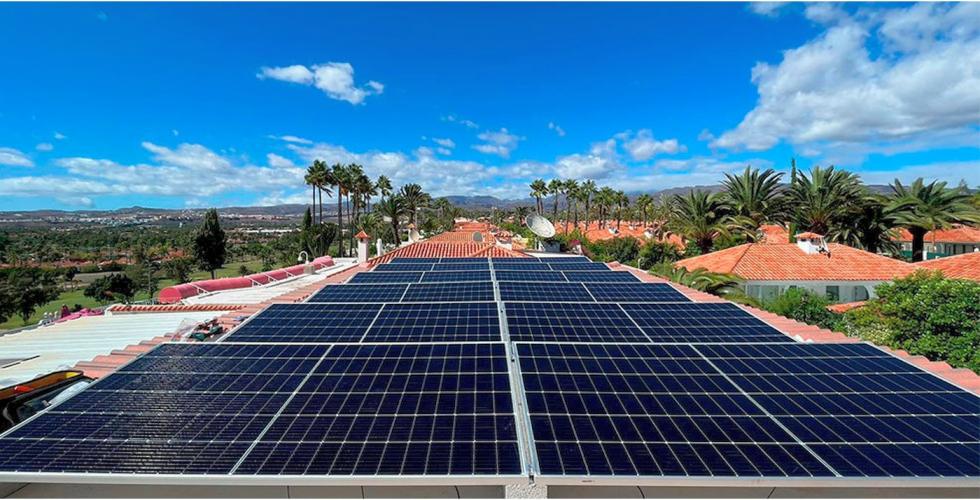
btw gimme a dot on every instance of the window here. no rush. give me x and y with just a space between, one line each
833 293
860 293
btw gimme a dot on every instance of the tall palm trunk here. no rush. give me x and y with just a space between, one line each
340 221
568 206
918 243
554 209
313 208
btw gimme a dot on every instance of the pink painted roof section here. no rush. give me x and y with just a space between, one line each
965 266
788 262
962 377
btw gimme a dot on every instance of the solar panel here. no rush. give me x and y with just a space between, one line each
383 277
600 276
635 292
455 276
414 260
534 291
569 322
577 266
463 260
353 410
521 266
473 291
461 266
359 293
497 260
444 322
397 410
701 322
529 275
864 412
577 258
648 410
308 322
404 266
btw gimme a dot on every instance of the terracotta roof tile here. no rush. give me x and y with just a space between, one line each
757 261
966 266
955 234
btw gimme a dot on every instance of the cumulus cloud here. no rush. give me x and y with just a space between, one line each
446 143
14 158
59 136
462 121
643 146
869 81
276 161
336 79
768 9
558 130
44 147
599 162
500 142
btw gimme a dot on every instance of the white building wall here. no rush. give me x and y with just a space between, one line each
847 291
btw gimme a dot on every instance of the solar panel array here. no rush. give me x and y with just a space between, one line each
458 368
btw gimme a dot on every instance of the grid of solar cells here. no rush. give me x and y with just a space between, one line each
397 409
577 258
461 266
473 291
360 293
135 421
451 276
577 266
701 322
463 260
496 260
504 275
649 410
600 276
521 266
404 266
570 322
864 412
534 291
437 322
308 322
415 260
386 277
635 292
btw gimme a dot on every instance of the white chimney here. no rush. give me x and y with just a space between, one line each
362 246
811 243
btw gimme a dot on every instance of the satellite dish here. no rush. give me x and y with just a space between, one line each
478 237
540 226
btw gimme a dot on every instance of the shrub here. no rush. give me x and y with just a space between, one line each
615 249
934 317
803 305
866 323
654 252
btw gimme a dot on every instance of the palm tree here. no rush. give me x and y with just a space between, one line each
311 180
338 178
521 212
555 188
414 199
754 196
539 189
701 217
588 191
367 190
699 279
870 225
571 186
921 208
622 202
393 207
384 186
823 200
643 203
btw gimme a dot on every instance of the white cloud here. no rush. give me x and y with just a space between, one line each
446 143
444 151
951 172
705 135
768 9
500 142
276 161
600 162
284 198
558 130
644 146
834 92
291 138
336 79
14 158
60 136
461 121
175 132
44 146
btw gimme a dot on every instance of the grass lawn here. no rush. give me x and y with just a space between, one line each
70 298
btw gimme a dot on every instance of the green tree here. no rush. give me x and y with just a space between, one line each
539 189
555 187
413 198
803 305
209 243
870 225
384 187
393 209
654 252
178 269
588 191
699 279
922 207
755 197
823 201
701 217
112 287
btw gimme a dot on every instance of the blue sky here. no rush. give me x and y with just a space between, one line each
188 105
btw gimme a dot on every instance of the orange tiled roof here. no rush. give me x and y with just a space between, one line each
846 306
596 233
429 248
774 233
787 261
955 234
965 266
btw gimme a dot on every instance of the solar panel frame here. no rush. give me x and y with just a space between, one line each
461 266
600 276
415 260
315 322
467 291
527 291
403 267
380 293
374 277
692 322
455 322
455 276
570 322
635 292
546 276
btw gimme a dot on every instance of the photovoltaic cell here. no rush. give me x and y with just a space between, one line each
455 276
386 277
601 276
701 322
360 293
577 258
463 260
308 322
570 322
404 266
557 265
415 260
536 291
473 291
648 410
442 322
635 292
521 266
462 266
528 275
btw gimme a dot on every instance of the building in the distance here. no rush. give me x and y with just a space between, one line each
956 240
839 272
